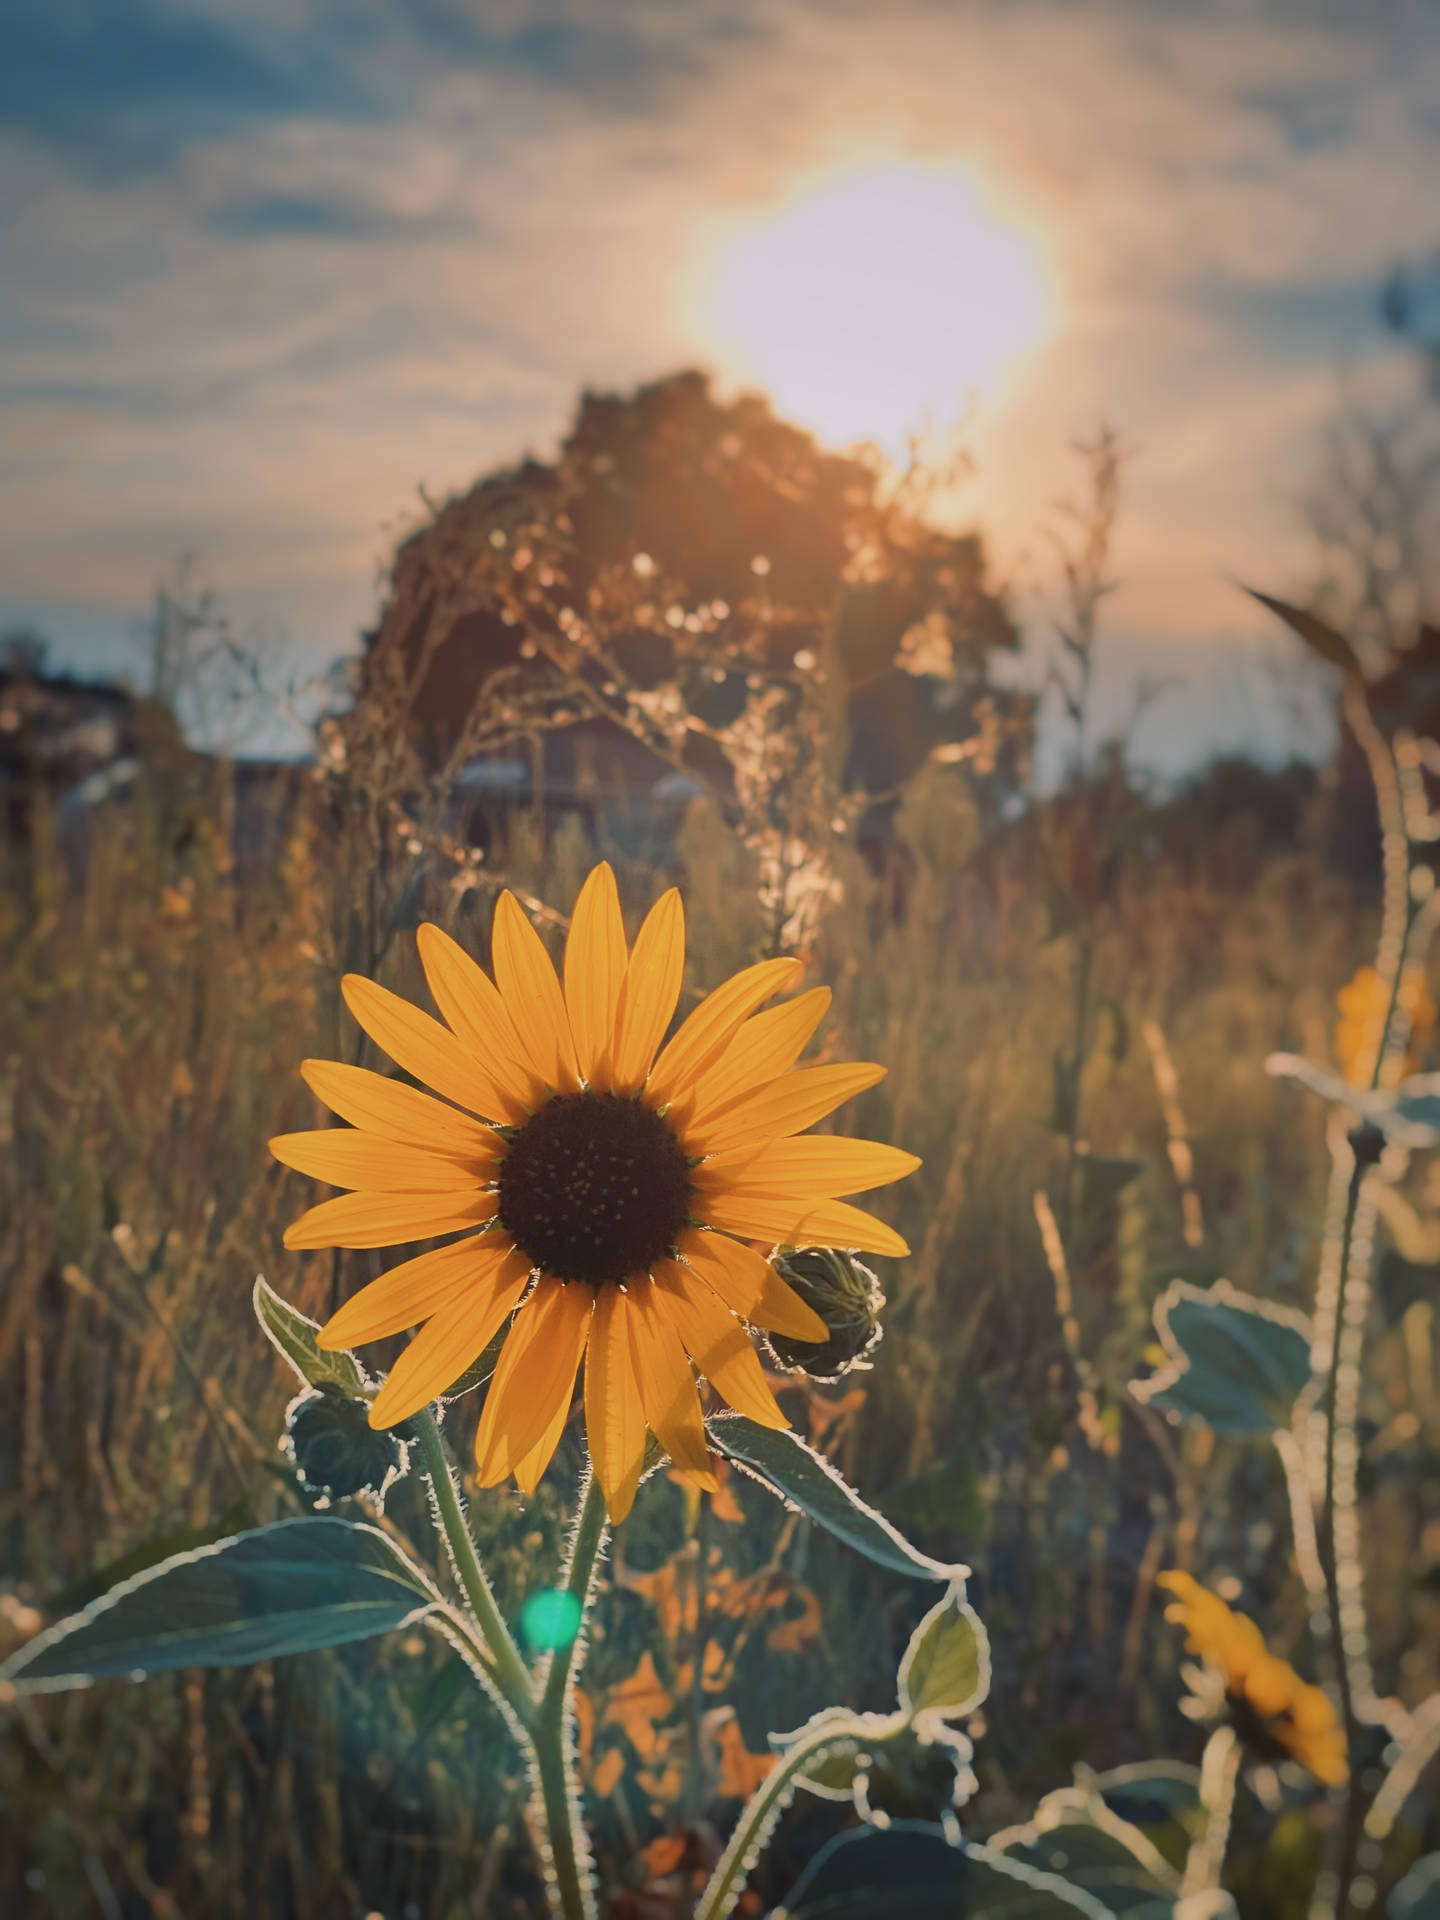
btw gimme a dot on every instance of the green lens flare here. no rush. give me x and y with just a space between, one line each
550 1620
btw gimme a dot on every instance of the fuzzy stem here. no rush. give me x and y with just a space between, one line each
1330 1558
1348 1641
1219 1770
569 1860
759 1815
1302 1526
1404 1776
590 1531
511 1675
568 1864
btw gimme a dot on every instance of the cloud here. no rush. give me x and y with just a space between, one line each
271 267
117 86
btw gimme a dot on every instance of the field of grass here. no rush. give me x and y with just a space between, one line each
1079 1005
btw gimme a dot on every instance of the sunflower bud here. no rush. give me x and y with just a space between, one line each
916 1776
337 1451
847 1297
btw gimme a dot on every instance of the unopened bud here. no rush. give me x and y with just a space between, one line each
847 1297
337 1451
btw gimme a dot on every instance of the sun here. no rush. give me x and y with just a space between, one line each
879 302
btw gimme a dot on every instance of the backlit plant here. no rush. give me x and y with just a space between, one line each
613 1184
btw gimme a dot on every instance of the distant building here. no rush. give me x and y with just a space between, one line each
66 742
71 746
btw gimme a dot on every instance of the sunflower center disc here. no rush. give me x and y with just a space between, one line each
594 1188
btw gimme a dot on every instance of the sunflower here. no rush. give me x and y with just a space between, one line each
1271 1705
1363 1003
611 1186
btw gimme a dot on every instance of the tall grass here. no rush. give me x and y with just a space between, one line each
159 999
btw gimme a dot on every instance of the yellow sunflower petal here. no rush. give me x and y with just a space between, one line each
804 1223
1270 1685
704 1036
788 1105
717 1343
1311 1711
1325 1757
388 1107
817 1166
411 1292
596 957
445 1347
667 1386
766 1046
781 1310
614 1413
346 1157
526 979
649 993
421 1045
536 1374
530 1471
1239 1646
736 1272
472 1005
389 1219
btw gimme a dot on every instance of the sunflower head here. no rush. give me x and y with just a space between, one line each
1363 1004
609 1184
1273 1710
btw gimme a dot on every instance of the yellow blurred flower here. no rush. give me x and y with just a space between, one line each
1363 1004
611 1185
1266 1694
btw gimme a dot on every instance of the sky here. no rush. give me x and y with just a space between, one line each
272 274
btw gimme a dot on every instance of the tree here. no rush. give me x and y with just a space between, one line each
685 572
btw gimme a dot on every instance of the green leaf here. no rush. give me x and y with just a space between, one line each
1100 1863
1154 1800
292 1334
910 1871
1317 634
832 1770
1236 1363
782 1461
1417 1897
1408 1114
946 1667
288 1588
1150 1793
833 1775
1077 1836
1417 1108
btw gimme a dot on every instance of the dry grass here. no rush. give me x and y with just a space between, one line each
159 1003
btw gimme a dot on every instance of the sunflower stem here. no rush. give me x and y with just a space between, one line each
553 1734
511 1674
571 1882
590 1531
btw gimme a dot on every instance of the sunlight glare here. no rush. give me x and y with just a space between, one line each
880 302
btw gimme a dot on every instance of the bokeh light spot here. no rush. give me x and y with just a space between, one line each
549 1620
